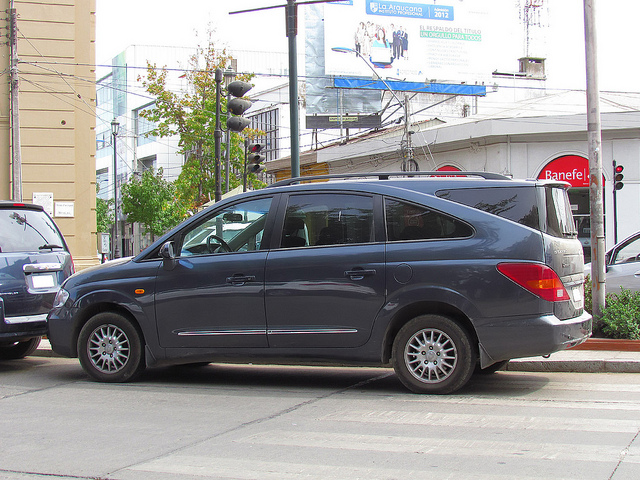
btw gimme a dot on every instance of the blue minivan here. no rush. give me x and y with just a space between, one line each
34 261
438 276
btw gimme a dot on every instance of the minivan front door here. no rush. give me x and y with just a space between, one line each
214 294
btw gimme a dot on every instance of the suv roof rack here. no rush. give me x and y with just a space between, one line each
387 175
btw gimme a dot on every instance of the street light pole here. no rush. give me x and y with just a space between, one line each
115 126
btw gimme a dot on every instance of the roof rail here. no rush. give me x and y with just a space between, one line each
387 175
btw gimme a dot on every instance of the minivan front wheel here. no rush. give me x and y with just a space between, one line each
16 350
433 354
110 348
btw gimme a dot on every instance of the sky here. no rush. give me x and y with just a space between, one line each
121 23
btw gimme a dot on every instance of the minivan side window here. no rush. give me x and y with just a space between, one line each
406 221
236 228
327 219
517 204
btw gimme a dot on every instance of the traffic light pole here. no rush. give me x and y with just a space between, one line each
292 29
217 136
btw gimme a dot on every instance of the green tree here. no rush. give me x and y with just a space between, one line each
104 213
150 200
191 115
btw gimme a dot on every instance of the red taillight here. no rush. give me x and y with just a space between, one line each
537 279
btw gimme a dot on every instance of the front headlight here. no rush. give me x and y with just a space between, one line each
61 298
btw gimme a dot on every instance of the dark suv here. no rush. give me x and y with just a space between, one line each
439 276
34 261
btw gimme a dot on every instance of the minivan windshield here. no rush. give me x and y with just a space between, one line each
24 230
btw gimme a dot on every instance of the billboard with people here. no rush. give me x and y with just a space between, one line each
443 40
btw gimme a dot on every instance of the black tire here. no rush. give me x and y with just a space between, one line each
110 348
491 368
16 350
433 354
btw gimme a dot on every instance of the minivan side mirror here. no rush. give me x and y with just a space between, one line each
168 256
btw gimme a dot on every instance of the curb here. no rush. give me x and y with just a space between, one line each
592 357
574 366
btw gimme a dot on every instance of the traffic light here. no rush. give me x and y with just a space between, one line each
237 106
617 176
255 157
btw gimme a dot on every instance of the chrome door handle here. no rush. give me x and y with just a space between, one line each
359 273
240 279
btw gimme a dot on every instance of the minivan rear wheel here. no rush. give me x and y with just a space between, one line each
16 350
110 348
433 354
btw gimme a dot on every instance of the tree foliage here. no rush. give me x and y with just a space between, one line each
151 201
104 213
191 114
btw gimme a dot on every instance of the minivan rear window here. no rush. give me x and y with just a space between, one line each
25 230
560 221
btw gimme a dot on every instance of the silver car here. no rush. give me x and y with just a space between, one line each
622 265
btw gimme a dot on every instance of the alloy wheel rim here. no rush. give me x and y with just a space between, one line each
108 348
430 355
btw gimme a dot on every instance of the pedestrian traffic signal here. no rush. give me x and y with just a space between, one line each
255 157
237 106
617 176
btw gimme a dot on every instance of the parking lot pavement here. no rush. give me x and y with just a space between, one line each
572 360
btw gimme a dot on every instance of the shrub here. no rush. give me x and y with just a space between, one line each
621 315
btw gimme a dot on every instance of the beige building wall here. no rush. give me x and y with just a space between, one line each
56 48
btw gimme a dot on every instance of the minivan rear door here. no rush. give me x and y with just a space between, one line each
325 277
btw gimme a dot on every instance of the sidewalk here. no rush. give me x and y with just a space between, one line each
572 360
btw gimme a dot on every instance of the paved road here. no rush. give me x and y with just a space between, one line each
265 422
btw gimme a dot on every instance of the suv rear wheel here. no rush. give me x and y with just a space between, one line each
433 354
110 348
15 350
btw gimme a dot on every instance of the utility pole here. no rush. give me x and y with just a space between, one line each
16 155
594 136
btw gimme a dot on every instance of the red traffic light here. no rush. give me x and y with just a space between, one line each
617 176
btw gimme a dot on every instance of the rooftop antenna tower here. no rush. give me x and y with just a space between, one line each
530 15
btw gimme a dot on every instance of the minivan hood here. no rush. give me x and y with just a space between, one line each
103 268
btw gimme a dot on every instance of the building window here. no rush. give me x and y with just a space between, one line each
147 163
103 139
105 189
268 123
144 126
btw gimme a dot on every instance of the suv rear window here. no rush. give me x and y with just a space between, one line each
26 230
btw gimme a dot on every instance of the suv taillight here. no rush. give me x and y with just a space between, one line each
537 279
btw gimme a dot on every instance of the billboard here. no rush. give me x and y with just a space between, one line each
441 40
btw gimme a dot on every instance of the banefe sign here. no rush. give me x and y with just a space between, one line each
568 168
